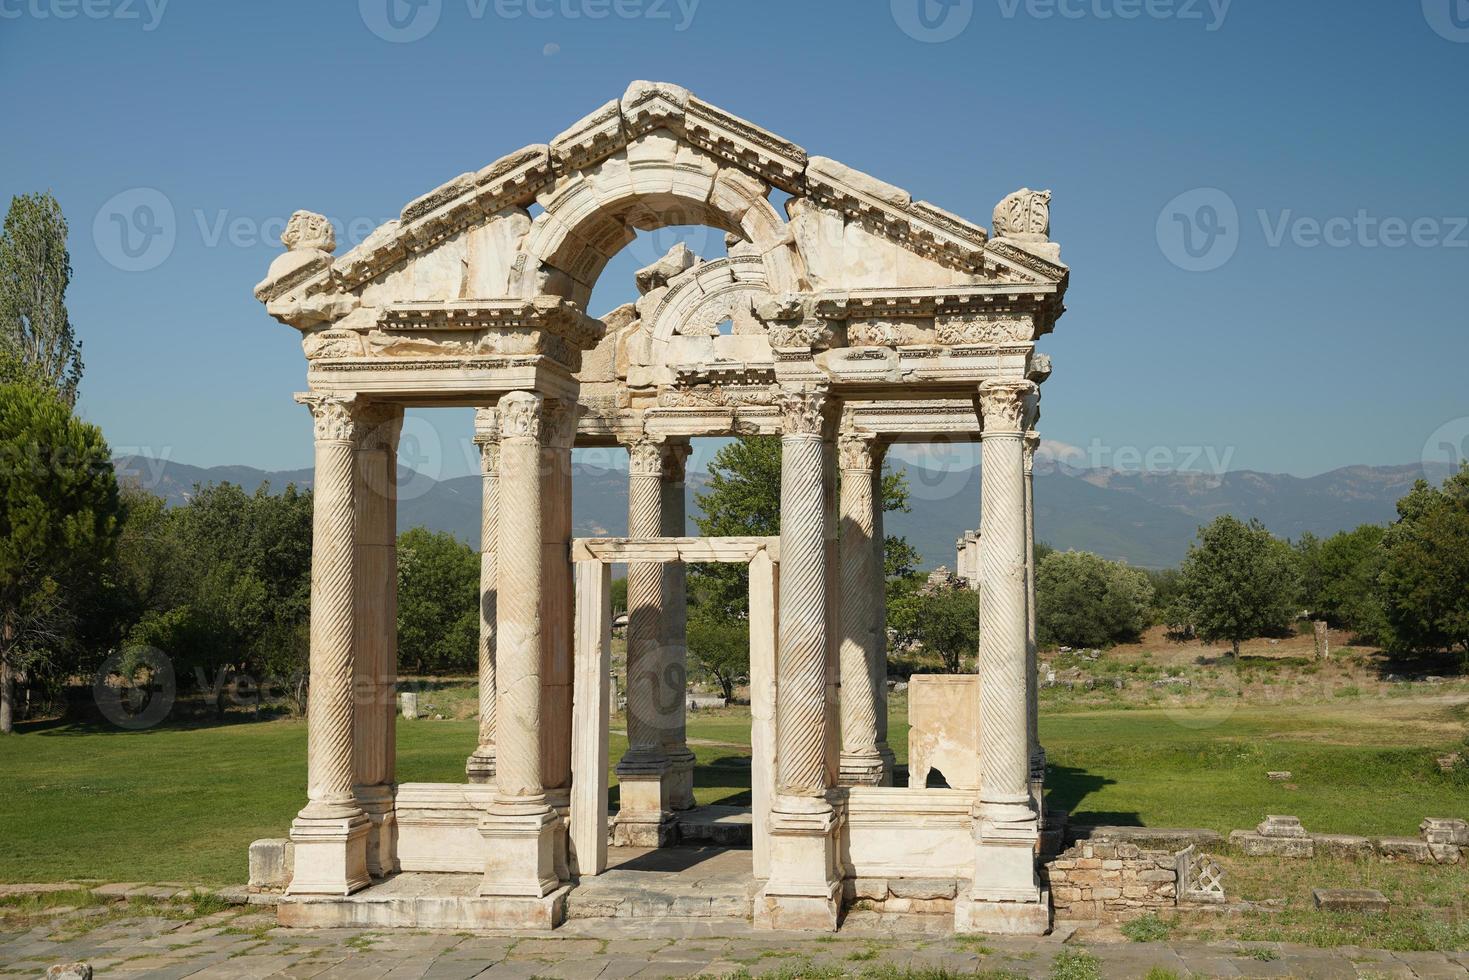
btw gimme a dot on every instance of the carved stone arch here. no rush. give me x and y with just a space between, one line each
658 180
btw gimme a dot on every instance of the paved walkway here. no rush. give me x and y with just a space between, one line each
245 943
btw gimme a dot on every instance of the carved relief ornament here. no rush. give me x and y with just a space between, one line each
1002 404
802 409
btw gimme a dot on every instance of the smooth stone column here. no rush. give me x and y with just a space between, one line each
804 887
519 826
644 818
376 605
330 833
861 764
591 708
480 766
679 779
1005 894
880 598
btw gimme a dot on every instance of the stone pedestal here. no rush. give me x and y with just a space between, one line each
803 892
330 855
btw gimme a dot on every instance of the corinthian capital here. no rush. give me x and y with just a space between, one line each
802 409
1002 404
519 416
645 457
559 428
336 416
1032 443
855 451
486 426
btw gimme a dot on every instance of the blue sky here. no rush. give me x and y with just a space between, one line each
1263 203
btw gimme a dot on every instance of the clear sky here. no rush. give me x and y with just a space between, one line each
1263 202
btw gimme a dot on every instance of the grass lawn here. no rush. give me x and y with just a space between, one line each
182 804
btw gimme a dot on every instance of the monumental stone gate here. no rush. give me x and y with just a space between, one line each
856 319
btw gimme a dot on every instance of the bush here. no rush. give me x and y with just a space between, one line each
1083 600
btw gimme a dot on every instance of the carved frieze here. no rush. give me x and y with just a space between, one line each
982 329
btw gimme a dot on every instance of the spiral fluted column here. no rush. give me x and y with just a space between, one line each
480 766
519 826
644 816
674 638
861 764
1006 828
330 833
880 599
804 887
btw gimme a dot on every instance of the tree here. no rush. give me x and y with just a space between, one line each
1083 600
943 621
58 526
1239 582
1348 565
1424 582
35 269
438 602
720 649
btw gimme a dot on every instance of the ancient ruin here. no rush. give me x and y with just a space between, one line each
857 317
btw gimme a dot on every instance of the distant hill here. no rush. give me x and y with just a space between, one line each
1147 519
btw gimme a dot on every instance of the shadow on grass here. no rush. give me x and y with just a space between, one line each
1067 788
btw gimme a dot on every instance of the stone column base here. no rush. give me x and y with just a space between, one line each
804 891
861 770
330 855
889 763
511 912
643 817
678 780
522 851
480 767
1003 918
379 807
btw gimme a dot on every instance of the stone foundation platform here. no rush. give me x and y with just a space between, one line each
421 900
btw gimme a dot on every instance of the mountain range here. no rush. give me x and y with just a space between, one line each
1145 518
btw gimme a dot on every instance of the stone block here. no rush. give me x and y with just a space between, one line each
408 705
1405 849
1343 846
1257 845
69 971
271 861
1275 825
1349 900
1445 830
923 888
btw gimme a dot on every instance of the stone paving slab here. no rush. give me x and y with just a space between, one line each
246 944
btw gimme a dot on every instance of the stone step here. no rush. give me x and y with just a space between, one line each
725 826
647 903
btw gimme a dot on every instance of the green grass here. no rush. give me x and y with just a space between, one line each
182 804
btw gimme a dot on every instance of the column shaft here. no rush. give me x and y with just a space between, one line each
480 766
880 598
1032 684
674 639
802 723
861 764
